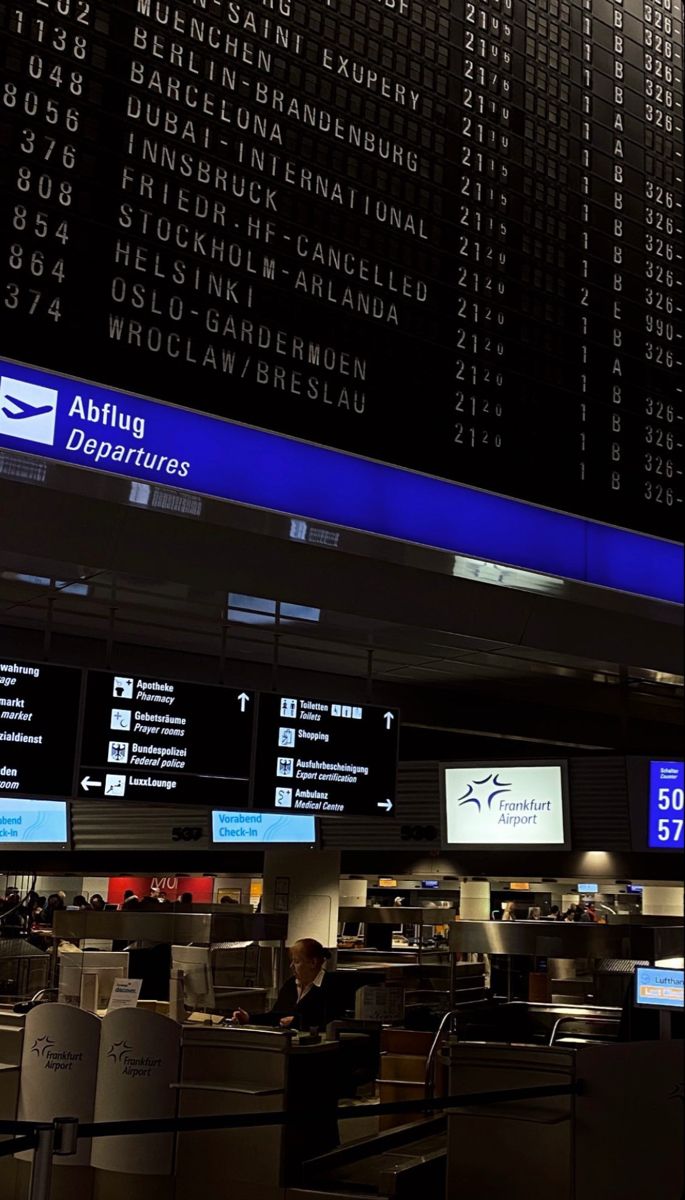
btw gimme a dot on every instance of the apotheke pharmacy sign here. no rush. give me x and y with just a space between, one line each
505 804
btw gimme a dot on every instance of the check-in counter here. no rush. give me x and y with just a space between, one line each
252 1070
619 1136
11 1043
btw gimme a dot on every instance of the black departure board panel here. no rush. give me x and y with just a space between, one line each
325 757
446 235
39 712
158 739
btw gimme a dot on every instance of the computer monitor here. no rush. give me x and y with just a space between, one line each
659 988
195 964
74 964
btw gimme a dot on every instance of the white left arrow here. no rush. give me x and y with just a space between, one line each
89 783
244 699
388 718
386 804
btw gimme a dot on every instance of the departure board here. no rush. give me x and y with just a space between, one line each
445 235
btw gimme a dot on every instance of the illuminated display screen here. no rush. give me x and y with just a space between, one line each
31 823
252 829
666 794
658 987
314 217
505 804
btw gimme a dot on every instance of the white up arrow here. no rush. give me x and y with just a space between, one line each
386 804
89 783
244 699
388 718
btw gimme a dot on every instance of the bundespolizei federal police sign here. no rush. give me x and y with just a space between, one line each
85 425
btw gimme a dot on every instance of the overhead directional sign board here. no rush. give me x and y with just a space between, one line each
325 757
158 739
39 707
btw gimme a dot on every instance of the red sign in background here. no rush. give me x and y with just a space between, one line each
171 886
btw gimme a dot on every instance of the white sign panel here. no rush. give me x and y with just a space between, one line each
139 1063
124 994
505 805
58 1070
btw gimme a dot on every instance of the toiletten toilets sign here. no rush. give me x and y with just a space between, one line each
505 804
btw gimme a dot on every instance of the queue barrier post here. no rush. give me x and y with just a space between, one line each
41 1167
61 1137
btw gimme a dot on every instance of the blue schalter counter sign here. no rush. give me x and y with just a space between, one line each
666 800
85 425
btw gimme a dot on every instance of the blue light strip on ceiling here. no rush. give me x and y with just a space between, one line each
85 425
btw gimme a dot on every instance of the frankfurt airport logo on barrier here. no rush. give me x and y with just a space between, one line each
27 411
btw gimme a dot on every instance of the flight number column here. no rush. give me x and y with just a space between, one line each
42 94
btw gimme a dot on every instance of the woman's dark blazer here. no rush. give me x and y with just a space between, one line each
319 1006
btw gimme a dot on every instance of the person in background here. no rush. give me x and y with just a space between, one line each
128 895
306 1000
55 903
554 914
228 900
534 913
591 911
185 900
81 902
97 903
508 911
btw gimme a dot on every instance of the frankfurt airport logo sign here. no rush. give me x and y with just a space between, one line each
504 805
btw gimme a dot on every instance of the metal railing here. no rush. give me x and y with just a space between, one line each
61 1136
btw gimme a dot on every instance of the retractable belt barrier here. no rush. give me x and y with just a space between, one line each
61 1136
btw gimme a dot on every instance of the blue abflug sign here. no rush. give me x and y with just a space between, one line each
86 425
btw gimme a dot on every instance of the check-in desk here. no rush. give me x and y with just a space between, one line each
250 1070
11 1044
620 1138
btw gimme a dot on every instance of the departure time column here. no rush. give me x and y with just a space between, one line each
662 340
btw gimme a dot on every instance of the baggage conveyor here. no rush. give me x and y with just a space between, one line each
402 1164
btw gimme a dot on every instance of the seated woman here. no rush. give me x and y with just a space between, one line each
309 999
